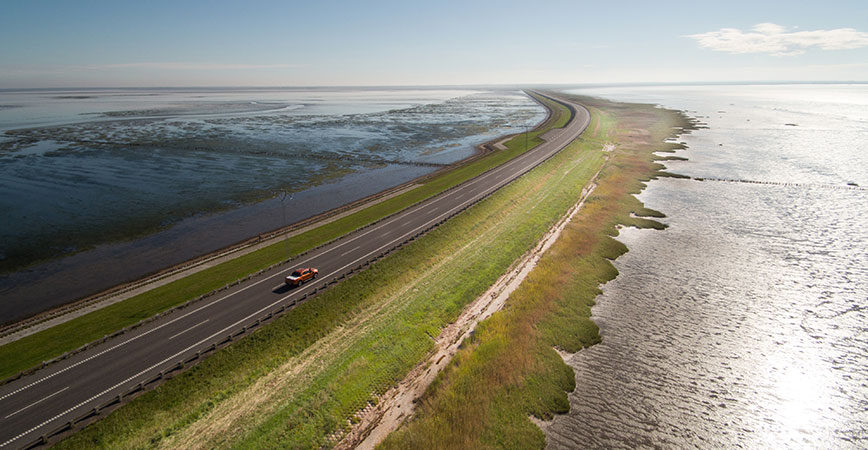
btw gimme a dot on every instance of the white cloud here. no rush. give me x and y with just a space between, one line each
774 39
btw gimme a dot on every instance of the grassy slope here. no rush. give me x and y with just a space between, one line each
32 350
329 357
509 370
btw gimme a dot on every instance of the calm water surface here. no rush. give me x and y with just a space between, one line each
121 183
745 323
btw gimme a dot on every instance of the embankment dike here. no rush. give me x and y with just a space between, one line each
88 383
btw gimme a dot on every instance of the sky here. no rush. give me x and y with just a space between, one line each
160 43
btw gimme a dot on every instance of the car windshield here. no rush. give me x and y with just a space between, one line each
296 274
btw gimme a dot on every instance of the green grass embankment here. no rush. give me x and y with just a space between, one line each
297 382
30 351
509 370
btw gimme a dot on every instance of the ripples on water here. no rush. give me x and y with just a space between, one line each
745 323
79 168
194 171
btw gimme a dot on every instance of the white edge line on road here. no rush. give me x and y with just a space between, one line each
221 332
128 341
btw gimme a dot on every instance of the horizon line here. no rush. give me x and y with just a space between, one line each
433 86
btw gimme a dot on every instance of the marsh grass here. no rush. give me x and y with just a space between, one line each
366 333
510 370
30 351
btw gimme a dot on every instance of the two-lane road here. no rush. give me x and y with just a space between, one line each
63 394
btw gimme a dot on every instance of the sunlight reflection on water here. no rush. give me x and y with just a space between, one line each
745 323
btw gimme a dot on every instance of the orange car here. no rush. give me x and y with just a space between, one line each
300 276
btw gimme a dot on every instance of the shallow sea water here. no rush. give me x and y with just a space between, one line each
745 323
131 181
80 168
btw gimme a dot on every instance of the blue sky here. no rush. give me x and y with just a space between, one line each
282 43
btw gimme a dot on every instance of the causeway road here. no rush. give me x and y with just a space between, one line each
62 397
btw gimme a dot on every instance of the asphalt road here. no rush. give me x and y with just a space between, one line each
63 396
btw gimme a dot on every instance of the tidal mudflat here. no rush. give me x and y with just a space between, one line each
103 186
744 323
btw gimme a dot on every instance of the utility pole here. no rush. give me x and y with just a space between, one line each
526 130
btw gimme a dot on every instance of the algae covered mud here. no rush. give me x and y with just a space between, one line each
745 323
124 175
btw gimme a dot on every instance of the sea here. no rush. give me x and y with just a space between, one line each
103 186
744 324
